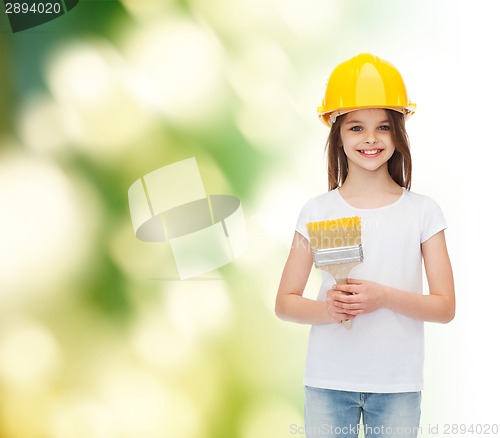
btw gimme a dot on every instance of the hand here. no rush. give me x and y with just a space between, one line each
358 297
336 313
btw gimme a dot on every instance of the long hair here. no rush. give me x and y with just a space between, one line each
399 165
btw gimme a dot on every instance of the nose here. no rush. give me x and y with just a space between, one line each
370 137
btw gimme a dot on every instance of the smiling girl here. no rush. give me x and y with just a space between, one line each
373 371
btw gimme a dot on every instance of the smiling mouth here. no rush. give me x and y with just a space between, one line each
370 152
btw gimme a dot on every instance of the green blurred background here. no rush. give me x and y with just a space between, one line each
97 338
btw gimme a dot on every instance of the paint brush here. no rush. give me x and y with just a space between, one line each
336 248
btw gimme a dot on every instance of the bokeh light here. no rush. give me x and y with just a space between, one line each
43 229
41 126
80 416
90 82
29 355
180 62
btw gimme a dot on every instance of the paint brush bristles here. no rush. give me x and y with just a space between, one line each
335 233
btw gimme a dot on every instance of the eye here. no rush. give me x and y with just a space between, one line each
384 128
356 128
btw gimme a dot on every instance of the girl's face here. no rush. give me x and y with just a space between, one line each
367 139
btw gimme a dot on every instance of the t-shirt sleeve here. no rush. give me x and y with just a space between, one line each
432 221
303 220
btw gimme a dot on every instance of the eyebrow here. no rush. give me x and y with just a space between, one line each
361 122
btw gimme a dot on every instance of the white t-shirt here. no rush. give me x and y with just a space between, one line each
384 350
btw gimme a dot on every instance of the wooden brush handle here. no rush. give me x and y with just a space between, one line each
347 323
340 272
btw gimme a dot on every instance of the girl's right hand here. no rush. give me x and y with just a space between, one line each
335 313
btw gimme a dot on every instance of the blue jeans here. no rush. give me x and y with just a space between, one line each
330 413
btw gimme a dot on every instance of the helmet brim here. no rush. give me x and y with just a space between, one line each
329 117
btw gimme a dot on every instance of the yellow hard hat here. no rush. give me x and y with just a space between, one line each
365 81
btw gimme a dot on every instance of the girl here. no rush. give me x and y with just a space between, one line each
374 370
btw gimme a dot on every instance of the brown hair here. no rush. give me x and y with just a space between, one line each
399 165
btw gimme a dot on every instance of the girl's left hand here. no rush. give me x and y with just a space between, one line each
359 296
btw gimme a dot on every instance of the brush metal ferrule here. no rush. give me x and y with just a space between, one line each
334 256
